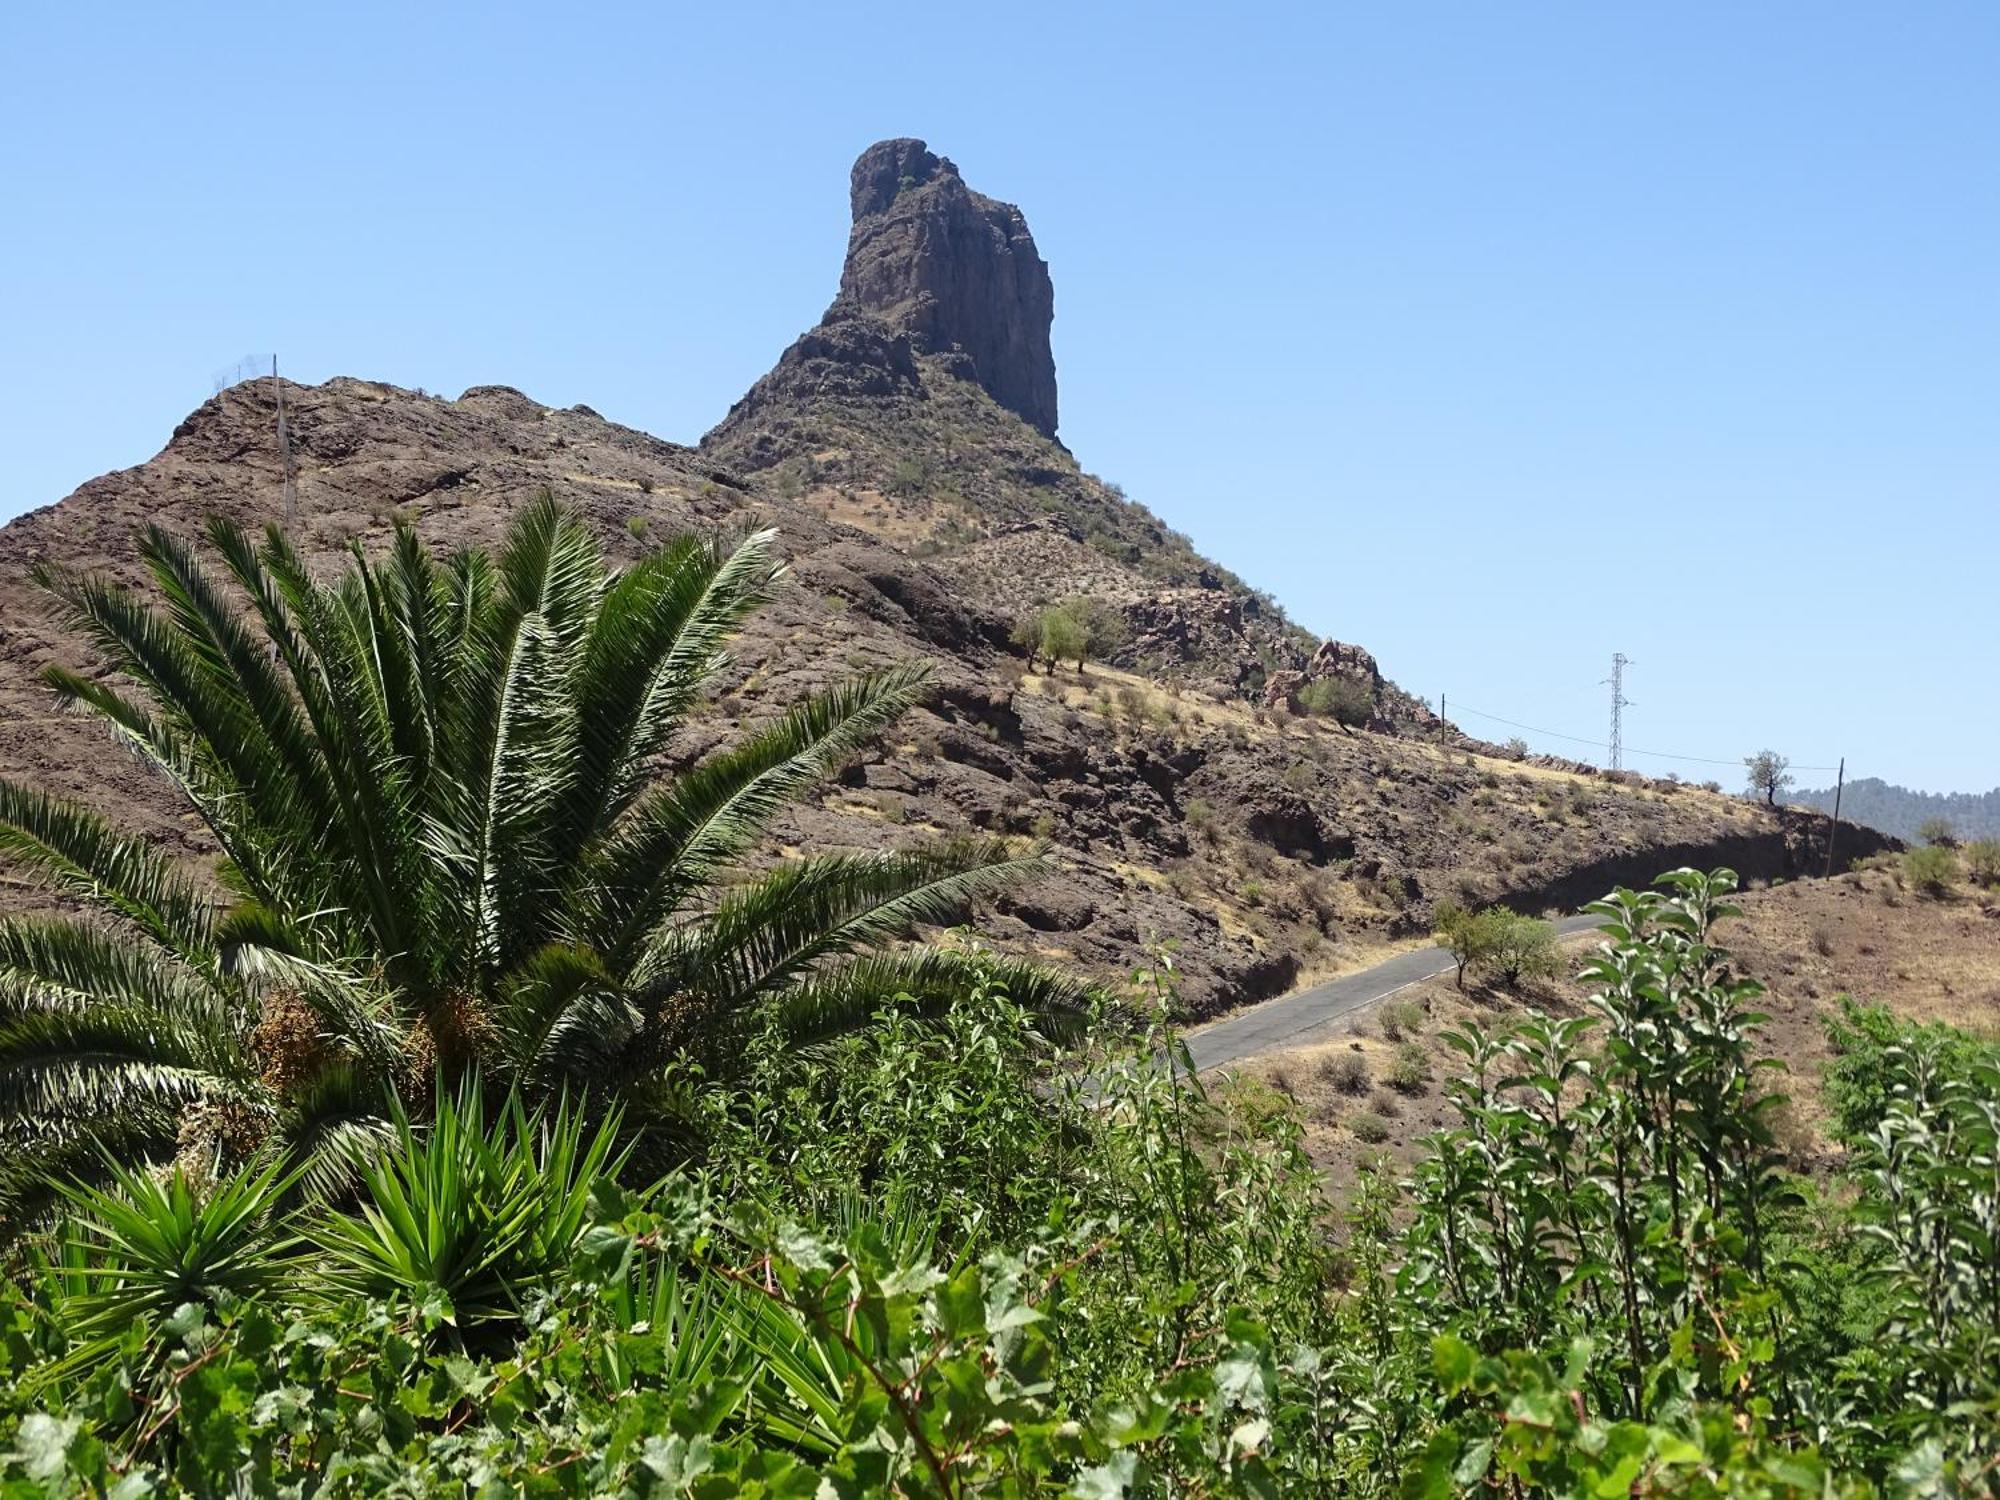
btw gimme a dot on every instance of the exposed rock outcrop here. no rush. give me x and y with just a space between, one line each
954 270
932 269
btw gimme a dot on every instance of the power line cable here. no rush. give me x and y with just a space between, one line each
1577 739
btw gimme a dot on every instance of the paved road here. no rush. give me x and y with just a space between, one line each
1310 1014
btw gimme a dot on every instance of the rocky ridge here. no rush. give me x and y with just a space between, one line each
1182 798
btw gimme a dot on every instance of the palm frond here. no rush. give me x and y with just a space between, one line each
68 1065
214 629
34 1172
564 1015
766 934
334 1127
77 852
358 1012
677 838
380 834
657 640
61 963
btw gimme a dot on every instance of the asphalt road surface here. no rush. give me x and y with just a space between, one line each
1312 1014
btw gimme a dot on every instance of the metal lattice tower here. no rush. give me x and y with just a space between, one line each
1619 703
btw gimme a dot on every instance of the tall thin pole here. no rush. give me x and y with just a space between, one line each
285 450
1619 703
1834 827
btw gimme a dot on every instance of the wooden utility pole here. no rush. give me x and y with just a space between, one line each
1833 828
285 450
1442 729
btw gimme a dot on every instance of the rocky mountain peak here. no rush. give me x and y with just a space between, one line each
955 271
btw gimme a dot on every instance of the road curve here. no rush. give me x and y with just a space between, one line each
1308 1015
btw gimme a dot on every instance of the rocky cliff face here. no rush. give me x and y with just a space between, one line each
955 271
933 271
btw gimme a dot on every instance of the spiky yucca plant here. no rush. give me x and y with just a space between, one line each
446 845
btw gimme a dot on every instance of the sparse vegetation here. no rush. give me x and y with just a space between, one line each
1982 861
1931 869
1400 1018
1938 833
1369 1128
1347 1073
1768 775
1410 1069
1346 700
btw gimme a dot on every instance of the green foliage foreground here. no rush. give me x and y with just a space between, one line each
922 1263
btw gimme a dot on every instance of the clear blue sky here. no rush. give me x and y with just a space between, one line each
1496 338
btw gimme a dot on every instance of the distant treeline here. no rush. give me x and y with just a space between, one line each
1898 811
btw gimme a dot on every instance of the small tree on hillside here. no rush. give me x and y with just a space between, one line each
1769 773
1471 938
1054 635
1525 948
1075 630
1938 833
1104 627
1345 700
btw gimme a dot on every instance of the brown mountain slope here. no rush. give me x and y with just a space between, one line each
922 515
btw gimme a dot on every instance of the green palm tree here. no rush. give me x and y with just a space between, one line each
446 844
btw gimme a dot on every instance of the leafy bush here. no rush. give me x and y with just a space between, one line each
1982 861
1524 948
1074 630
1410 1069
1400 1018
1348 701
1875 1051
1369 1128
1938 832
1931 869
1510 946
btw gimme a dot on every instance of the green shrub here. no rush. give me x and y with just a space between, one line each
1525 948
1511 946
1368 1127
1410 1069
1938 832
1874 1049
1400 1018
1348 701
1931 869
1982 861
